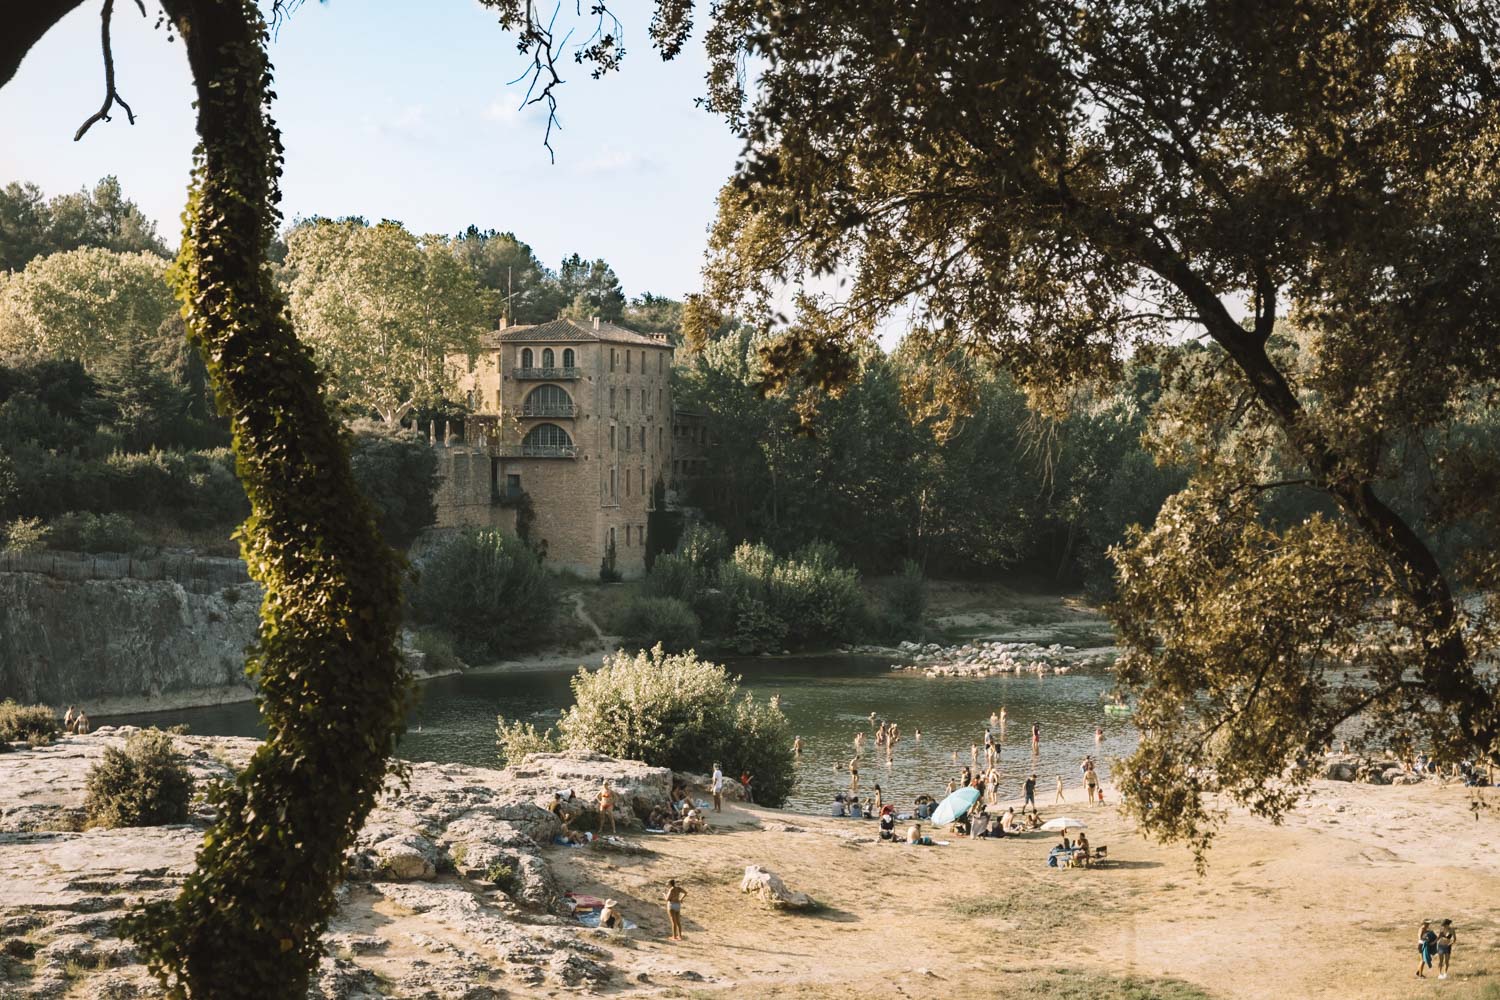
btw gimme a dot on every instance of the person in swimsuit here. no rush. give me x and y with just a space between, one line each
1445 940
674 896
1036 736
1030 790
606 800
797 746
854 774
1059 790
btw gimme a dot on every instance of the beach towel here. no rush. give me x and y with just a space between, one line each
590 918
579 902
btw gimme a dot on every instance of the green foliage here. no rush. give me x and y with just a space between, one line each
397 472
672 576
501 875
677 711
487 590
84 305
32 226
514 740
146 784
85 532
902 604
589 288
664 620
438 652
383 309
20 723
25 534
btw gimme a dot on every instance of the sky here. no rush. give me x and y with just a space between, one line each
403 111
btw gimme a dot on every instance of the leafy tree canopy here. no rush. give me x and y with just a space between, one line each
33 226
590 288
381 309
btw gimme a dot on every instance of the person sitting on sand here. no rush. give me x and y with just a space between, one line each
888 823
1033 820
1008 821
914 836
1082 856
838 805
609 917
658 819
695 822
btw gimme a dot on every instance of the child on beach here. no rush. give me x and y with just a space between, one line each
674 897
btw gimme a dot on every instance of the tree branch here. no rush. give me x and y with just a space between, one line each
25 24
111 96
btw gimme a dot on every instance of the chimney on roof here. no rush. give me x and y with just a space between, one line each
596 322
504 321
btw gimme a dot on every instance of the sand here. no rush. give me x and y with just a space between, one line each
1326 905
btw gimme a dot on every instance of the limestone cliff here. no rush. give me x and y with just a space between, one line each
123 645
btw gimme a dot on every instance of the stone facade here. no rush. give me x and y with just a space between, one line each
575 417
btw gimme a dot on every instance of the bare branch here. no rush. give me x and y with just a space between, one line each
111 96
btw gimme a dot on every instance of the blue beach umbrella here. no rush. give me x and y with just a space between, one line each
955 805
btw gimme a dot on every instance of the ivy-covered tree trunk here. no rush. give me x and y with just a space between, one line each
332 686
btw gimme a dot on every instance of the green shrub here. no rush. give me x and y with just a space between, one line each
26 534
704 546
808 597
514 740
501 875
438 653
756 630
397 471
671 576
20 723
82 531
488 591
665 620
677 711
903 604
146 784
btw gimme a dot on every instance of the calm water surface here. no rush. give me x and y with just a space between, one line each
826 699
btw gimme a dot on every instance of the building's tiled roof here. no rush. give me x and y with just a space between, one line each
560 331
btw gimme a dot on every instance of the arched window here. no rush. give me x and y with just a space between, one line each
526 358
546 440
548 358
548 401
569 358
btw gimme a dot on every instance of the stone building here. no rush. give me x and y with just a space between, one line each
570 428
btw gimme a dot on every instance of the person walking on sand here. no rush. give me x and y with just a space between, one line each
674 897
606 800
1091 779
1059 790
718 786
1030 789
1446 939
1426 943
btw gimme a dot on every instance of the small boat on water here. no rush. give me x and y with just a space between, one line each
1111 708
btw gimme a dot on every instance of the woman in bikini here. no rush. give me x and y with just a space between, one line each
674 897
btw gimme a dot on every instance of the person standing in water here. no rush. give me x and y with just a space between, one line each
854 774
674 897
797 746
1036 736
1098 735
859 743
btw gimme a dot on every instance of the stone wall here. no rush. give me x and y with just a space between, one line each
123 645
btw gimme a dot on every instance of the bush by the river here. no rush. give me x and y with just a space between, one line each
755 601
514 740
671 710
488 591
27 723
901 604
665 620
146 784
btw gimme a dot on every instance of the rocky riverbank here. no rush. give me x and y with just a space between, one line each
781 906
448 893
985 659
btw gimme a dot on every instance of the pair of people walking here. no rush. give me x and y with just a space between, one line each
1435 945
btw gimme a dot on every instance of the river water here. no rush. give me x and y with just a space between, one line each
827 699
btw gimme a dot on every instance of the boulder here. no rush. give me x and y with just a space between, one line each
770 888
1339 770
638 786
405 857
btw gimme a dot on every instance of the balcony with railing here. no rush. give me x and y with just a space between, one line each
546 374
530 409
524 450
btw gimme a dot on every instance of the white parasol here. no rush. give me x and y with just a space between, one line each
1064 823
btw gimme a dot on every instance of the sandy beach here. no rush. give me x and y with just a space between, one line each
1326 905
